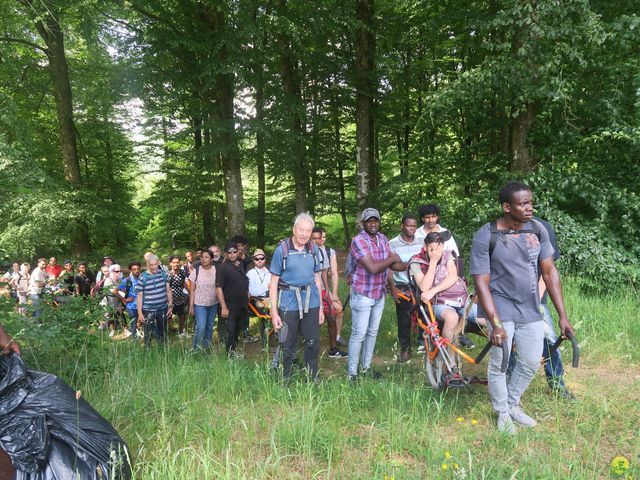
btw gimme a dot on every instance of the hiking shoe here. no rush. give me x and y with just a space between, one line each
404 356
233 355
127 333
454 380
466 342
564 393
251 339
335 353
505 424
353 379
371 373
421 348
341 342
517 415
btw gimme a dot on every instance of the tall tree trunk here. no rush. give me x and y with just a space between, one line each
258 81
214 17
204 163
340 161
315 152
47 22
521 158
260 154
295 107
365 81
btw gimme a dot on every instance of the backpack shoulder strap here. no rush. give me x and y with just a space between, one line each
309 248
493 229
535 227
287 245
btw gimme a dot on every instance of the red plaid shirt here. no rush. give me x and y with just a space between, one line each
372 285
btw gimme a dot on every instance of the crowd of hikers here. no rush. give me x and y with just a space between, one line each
511 262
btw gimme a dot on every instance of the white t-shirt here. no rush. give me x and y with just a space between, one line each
449 245
324 259
259 279
37 276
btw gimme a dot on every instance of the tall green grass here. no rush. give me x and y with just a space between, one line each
201 416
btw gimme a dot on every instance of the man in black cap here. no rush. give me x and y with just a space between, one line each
232 287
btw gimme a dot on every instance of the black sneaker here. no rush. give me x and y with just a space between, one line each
564 393
466 342
335 353
371 373
404 356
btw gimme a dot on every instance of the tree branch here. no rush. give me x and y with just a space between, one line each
25 42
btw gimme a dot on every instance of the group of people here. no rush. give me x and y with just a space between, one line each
512 265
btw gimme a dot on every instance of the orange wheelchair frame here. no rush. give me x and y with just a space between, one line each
442 357
266 330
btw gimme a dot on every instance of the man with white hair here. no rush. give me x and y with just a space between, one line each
295 290
155 300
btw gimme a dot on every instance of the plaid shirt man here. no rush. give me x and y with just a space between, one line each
372 285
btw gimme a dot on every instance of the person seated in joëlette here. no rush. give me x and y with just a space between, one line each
436 276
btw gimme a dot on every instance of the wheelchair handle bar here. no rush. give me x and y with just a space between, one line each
505 355
574 345
483 352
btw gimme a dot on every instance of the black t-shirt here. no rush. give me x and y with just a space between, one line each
246 262
234 284
84 284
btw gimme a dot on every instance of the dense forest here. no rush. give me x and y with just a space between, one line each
168 124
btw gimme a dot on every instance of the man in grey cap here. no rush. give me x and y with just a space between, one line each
372 258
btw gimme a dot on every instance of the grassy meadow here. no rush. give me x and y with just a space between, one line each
200 416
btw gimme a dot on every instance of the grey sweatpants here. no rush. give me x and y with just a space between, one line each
506 393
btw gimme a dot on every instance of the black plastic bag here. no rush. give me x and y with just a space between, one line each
50 434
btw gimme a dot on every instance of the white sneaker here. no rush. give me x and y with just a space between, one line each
505 424
521 418
112 333
127 333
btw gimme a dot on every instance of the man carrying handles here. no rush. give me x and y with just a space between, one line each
506 279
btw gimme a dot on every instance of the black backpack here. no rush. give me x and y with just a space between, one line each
495 232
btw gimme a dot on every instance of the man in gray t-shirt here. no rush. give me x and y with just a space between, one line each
506 274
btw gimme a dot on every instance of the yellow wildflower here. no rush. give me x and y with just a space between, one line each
447 455
460 419
444 466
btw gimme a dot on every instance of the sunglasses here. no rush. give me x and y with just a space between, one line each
258 258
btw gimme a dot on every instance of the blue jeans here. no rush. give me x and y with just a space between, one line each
36 305
133 317
365 321
553 367
205 320
438 310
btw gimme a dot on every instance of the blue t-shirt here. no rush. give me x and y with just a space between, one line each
132 305
300 272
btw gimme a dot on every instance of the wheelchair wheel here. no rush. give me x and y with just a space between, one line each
436 369
433 368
